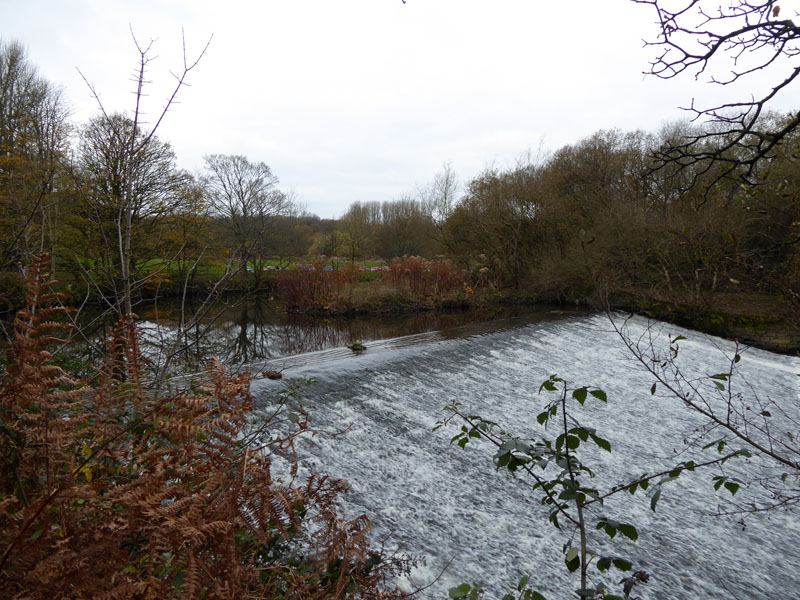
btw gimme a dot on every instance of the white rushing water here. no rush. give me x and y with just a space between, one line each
451 506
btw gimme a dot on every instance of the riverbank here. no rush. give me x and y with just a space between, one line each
766 321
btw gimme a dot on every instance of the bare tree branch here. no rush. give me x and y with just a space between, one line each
739 137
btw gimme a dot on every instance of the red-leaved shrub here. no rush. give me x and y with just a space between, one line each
426 277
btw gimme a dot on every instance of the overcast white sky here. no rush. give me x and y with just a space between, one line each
362 99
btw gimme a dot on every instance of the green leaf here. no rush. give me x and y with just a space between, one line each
573 442
604 444
604 564
35 535
622 564
523 583
502 460
572 560
720 444
600 395
581 433
732 487
720 376
574 565
547 385
568 494
177 581
629 531
580 395
572 554
654 498
542 418
719 386
653 390
461 591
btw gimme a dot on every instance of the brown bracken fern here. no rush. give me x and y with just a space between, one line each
114 491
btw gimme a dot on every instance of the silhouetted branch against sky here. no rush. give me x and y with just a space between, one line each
751 46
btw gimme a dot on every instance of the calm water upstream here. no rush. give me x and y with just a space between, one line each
431 499
250 334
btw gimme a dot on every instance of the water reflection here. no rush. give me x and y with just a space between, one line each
253 332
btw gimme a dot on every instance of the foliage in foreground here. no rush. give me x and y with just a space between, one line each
112 490
555 466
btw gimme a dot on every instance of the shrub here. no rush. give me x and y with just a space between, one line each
425 277
312 286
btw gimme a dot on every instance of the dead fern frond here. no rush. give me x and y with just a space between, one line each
119 492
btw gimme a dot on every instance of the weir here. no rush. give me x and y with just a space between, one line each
453 508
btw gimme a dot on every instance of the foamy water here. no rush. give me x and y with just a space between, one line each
451 506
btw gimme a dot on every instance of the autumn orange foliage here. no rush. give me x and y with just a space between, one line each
112 490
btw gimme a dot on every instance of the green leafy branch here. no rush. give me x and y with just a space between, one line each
563 491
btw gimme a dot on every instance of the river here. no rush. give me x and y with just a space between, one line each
472 523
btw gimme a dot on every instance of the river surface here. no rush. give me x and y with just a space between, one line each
249 334
473 523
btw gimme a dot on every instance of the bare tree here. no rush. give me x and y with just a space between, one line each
357 228
134 140
246 197
126 195
439 199
698 37
143 184
33 139
406 229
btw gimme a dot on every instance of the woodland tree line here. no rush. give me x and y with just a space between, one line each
592 216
